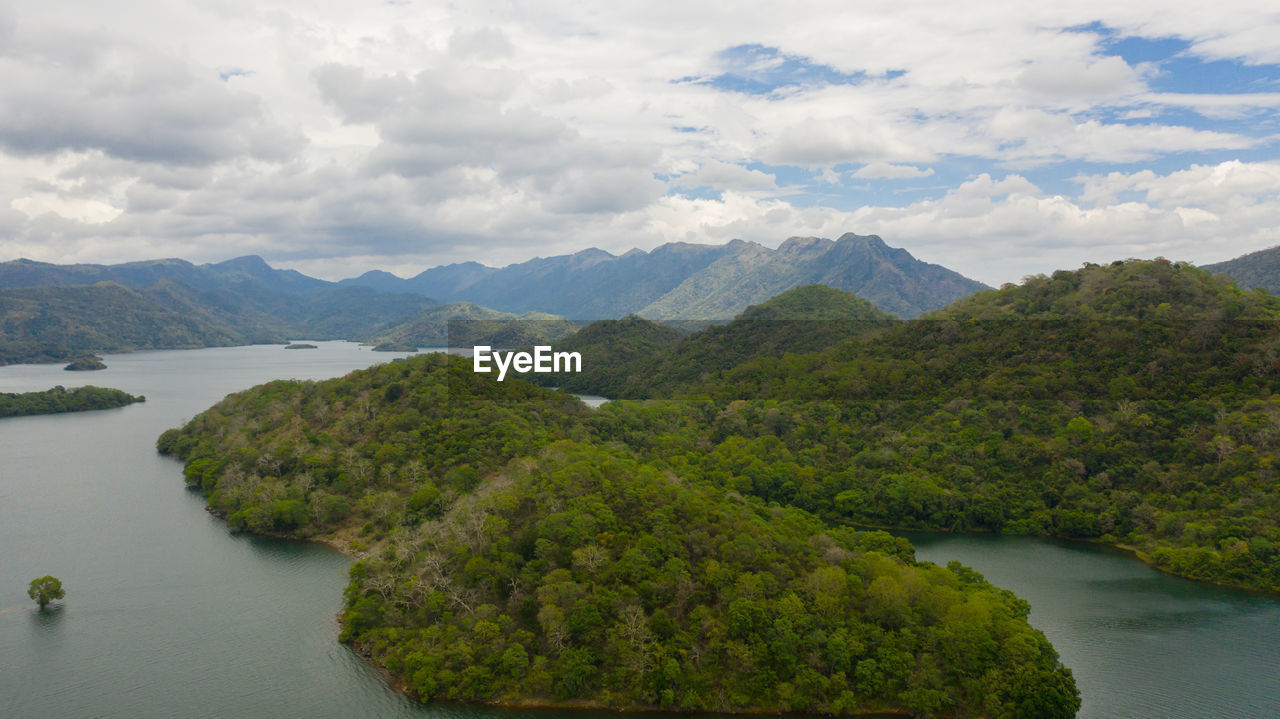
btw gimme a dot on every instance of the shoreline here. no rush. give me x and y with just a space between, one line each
541 704
1129 549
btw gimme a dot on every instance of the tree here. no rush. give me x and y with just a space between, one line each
45 590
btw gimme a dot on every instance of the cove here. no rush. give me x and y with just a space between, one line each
1140 643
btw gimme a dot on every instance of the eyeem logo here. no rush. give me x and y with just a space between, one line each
542 361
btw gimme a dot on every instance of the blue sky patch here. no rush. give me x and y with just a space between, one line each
761 70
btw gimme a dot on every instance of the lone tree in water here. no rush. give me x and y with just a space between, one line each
45 590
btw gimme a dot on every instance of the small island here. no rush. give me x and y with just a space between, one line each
60 399
88 363
394 347
300 346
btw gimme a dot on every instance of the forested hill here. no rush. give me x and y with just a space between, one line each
1135 330
1133 404
1256 269
42 324
615 356
52 312
520 548
636 359
463 324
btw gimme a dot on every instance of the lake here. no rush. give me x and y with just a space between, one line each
1141 644
169 614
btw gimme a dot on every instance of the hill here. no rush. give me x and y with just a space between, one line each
1132 404
634 360
889 278
692 282
464 324
41 324
507 563
616 355
48 311
1254 270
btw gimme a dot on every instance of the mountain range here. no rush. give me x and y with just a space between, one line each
49 312
682 281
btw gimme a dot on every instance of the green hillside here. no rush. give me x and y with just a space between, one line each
463 324
618 362
515 552
1254 270
1131 404
58 323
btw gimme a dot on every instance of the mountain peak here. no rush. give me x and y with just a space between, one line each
795 245
248 263
868 240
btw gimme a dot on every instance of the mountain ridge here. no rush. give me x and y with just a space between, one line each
687 281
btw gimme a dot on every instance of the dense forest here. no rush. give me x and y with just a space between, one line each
42 324
636 358
1131 404
518 547
514 552
60 399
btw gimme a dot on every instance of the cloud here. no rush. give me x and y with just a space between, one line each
726 176
70 90
890 171
1087 79
329 136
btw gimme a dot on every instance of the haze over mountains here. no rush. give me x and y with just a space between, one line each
50 312
694 282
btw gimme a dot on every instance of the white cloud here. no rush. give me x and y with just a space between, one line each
725 176
432 133
890 171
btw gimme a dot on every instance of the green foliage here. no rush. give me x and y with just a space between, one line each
60 399
463 324
1132 404
88 363
391 445
58 323
681 554
523 548
589 576
634 358
46 590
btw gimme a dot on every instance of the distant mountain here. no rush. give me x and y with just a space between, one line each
691 282
251 268
1256 269
40 324
240 301
246 300
889 278
462 324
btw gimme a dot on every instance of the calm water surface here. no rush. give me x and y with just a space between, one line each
168 614
1141 644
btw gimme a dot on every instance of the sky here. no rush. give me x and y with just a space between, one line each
1000 139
